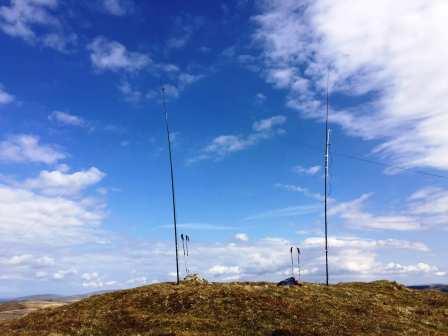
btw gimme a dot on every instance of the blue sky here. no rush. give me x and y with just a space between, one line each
84 179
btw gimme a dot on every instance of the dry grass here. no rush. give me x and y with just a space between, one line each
14 310
378 308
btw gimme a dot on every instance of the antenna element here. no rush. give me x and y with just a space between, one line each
327 145
168 136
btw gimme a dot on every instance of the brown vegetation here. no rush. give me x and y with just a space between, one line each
378 308
14 310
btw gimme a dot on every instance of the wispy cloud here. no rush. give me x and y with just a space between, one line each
199 227
427 208
184 26
27 148
291 211
62 183
130 93
351 258
5 97
424 209
266 125
66 118
356 242
242 237
28 217
353 214
114 56
386 64
36 23
313 170
260 98
118 7
224 145
299 189
178 83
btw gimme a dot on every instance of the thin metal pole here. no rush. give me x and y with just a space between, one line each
292 262
183 249
187 242
172 183
327 140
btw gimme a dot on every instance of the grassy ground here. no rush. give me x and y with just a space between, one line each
14 310
378 308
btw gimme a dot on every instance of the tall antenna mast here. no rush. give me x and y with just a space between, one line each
327 144
168 135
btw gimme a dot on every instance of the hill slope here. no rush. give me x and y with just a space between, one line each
378 308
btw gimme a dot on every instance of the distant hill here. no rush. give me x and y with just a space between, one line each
443 288
52 297
193 308
41 297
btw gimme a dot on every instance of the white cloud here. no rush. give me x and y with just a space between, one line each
313 170
130 94
291 211
112 55
350 258
260 98
59 41
426 208
5 97
353 214
94 280
186 79
27 260
304 191
26 148
170 91
224 145
388 61
430 205
184 26
118 7
61 183
28 217
242 237
269 123
420 267
130 263
41 274
181 81
222 270
137 96
35 21
61 274
142 280
199 226
67 119
355 242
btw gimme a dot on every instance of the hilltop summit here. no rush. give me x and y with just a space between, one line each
194 308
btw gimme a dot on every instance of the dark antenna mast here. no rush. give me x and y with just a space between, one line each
327 145
168 135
